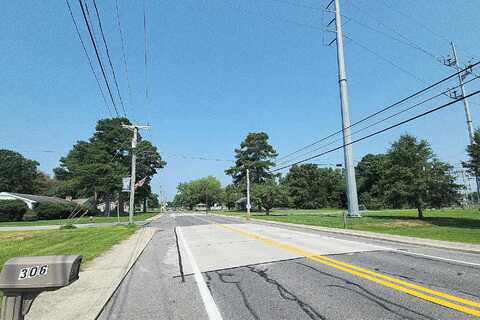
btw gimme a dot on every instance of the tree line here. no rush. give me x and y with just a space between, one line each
407 175
92 169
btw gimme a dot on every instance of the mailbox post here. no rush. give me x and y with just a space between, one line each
23 279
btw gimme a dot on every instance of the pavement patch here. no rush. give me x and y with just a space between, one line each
437 297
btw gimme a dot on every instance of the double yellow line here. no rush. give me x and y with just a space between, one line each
437 297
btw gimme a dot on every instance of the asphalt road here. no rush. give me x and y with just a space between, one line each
233 269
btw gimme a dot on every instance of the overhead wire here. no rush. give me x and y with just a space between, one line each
390 62
384 109
411 18
380 131
90 32
404 40
357 43
298 5
145 34
377 122
278 19
108 57
124 55
88 58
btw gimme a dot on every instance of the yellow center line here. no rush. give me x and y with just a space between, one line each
397 284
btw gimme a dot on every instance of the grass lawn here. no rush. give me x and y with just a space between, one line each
279 212
450 224
87 242
97 219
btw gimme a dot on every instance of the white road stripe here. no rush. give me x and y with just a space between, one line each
389 249
208 302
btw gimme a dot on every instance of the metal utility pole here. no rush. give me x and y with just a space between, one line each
134 128
466 106
248 194
461 76
347 149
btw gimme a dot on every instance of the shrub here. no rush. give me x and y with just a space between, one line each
50 211
12 210
68 227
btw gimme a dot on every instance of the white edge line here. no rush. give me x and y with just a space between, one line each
437 258
384 248
209 303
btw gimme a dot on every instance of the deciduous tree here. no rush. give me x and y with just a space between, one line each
268 195
17 173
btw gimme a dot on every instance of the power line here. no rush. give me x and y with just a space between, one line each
427 28
404 39
191 157
88 57
419 92
108 56
299 5
377 122
145 49
380 131
277 19
119 25
198 158
98 56
366 48
405 71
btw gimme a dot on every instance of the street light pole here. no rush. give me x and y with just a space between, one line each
134 128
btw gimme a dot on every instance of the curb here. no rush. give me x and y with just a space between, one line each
439 244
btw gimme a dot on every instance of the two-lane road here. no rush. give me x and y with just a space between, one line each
234 269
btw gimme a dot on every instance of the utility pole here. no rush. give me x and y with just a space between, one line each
133 128
347 149
455 63
466 106
248 194
160 199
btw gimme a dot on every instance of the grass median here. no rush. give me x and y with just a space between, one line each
82 220
87 242
458 225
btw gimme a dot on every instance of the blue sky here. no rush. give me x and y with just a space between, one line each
219 69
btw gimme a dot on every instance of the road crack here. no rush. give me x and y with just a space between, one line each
367 294
287 295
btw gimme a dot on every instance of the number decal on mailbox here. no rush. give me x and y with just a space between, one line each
33 272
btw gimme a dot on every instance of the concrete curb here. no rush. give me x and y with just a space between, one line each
87 297
464 247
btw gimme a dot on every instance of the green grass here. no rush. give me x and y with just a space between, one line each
87 242
450 224
83 220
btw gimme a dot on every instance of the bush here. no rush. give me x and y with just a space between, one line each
50 211
68 227
12 210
